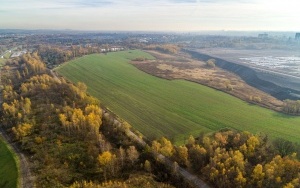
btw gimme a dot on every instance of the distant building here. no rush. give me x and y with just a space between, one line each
297 36
143 40
19 53
263 35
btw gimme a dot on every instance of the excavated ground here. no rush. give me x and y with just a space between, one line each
191 67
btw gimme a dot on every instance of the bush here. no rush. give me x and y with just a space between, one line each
211 63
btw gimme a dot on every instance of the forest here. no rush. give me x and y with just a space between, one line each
238 159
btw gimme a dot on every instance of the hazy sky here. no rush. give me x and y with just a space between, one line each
152 15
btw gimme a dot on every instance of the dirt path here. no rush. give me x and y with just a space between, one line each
55 76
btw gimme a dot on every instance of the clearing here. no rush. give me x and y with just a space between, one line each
172 108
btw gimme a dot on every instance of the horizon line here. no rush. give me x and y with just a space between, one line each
172 31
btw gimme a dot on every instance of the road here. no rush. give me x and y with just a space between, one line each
55 76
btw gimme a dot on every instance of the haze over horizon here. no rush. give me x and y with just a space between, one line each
164 15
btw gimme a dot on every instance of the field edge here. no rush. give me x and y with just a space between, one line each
15 157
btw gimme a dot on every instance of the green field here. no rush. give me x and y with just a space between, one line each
8 167
2 61
175 108
7 55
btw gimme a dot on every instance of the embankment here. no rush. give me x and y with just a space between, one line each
250 76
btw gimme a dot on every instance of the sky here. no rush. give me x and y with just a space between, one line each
151 15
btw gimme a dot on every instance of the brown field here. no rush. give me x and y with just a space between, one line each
181 66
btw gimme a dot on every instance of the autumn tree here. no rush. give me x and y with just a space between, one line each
291 107
258 176
132 154
147 166
284 147
211 63
198 157
181 156
166 148
105 161
22 130
122 156
227 168
155 146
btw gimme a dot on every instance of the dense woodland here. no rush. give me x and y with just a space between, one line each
237 159
292 107
72 142
55 55
165 48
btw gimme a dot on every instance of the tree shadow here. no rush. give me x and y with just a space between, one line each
285 116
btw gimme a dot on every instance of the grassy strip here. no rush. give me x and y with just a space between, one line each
9 167
176 109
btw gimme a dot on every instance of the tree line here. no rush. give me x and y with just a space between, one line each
55 55
292 107
165 48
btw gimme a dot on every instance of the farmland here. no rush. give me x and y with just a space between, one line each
2 61
8 167
175 109
6 56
